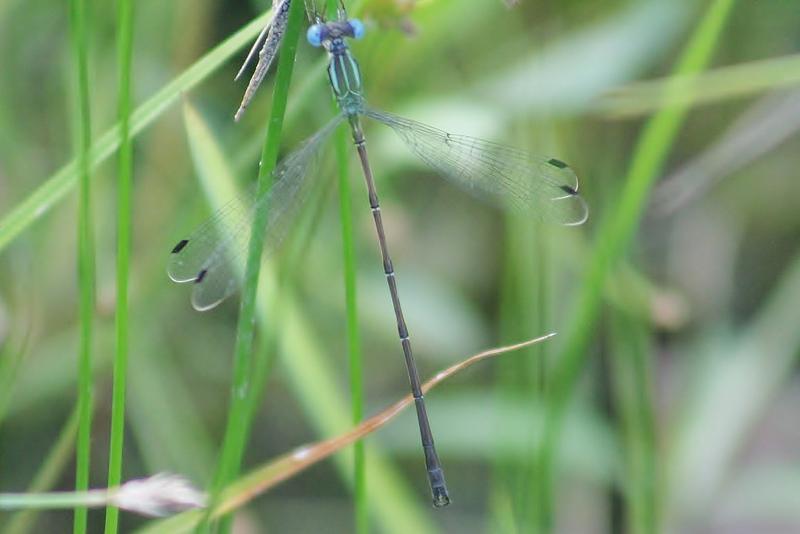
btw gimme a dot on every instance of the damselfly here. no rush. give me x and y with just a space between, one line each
547 188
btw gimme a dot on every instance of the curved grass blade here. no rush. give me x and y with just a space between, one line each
285 467
613 239
760 129
212 256
502 175
238 425
64 180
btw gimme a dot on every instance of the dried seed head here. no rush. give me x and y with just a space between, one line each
157 496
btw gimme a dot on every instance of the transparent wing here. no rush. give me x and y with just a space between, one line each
191 254
510 178
212 257
272 35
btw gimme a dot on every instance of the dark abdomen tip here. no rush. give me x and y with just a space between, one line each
440 498
180 246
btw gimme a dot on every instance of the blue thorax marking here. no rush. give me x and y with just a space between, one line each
345 78
343 70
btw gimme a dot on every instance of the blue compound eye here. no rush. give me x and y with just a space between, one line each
314 35
358 28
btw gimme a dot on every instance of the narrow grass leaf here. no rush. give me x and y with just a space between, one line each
633 397
164 418
303 457
11 359
235 438
617 230
718 85
124 215
86 269
285 467
762 128
59 184
354 354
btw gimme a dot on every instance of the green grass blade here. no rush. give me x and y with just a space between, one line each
354 353
86 276
57 186
616 232
535 484
236 430
725 83
49 501
525 309
125 54
522 374
164 424
633 397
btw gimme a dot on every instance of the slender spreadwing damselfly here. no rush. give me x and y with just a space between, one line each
211 257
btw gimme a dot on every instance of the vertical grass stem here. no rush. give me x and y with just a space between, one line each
82 134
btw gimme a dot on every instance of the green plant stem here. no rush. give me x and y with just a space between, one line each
355 358
539 280
235 433
58 185
83 142
523 311
48 474
510 377
353 335
616 233
633 395
125 53
53 501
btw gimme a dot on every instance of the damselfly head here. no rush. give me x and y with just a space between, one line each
323 32
315 34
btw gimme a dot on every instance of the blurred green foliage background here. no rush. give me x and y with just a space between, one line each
682 419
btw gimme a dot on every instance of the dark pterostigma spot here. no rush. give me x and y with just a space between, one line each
567 189
200 276
557 163
180 246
